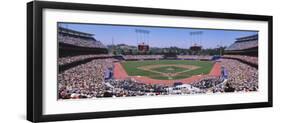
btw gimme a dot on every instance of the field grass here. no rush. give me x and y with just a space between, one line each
131 67
169 69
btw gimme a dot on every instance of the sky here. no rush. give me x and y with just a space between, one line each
159 36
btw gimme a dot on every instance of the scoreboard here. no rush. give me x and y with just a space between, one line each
143 48
195 48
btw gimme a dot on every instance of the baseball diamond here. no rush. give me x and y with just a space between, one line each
167 69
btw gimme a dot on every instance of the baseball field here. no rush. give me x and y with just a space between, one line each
167 69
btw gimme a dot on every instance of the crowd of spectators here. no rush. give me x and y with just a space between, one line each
84 81
129 87
243 45
250 59
157 57
88 81
195 57
241 77
70 59
207 82
142 57
80 41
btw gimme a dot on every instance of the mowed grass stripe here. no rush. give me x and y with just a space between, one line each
131 68
169 69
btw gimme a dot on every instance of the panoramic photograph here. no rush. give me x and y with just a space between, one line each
113 61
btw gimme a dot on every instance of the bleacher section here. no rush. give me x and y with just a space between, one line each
244 46
77 48
77 38
73 43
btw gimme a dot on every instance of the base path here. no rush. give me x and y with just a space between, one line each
216 70
120 73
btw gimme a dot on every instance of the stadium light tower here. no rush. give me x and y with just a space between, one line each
142 40
196 37
220 47
142 36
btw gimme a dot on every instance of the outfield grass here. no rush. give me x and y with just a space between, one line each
169 69
132 69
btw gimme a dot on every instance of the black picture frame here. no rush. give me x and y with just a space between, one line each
35 69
